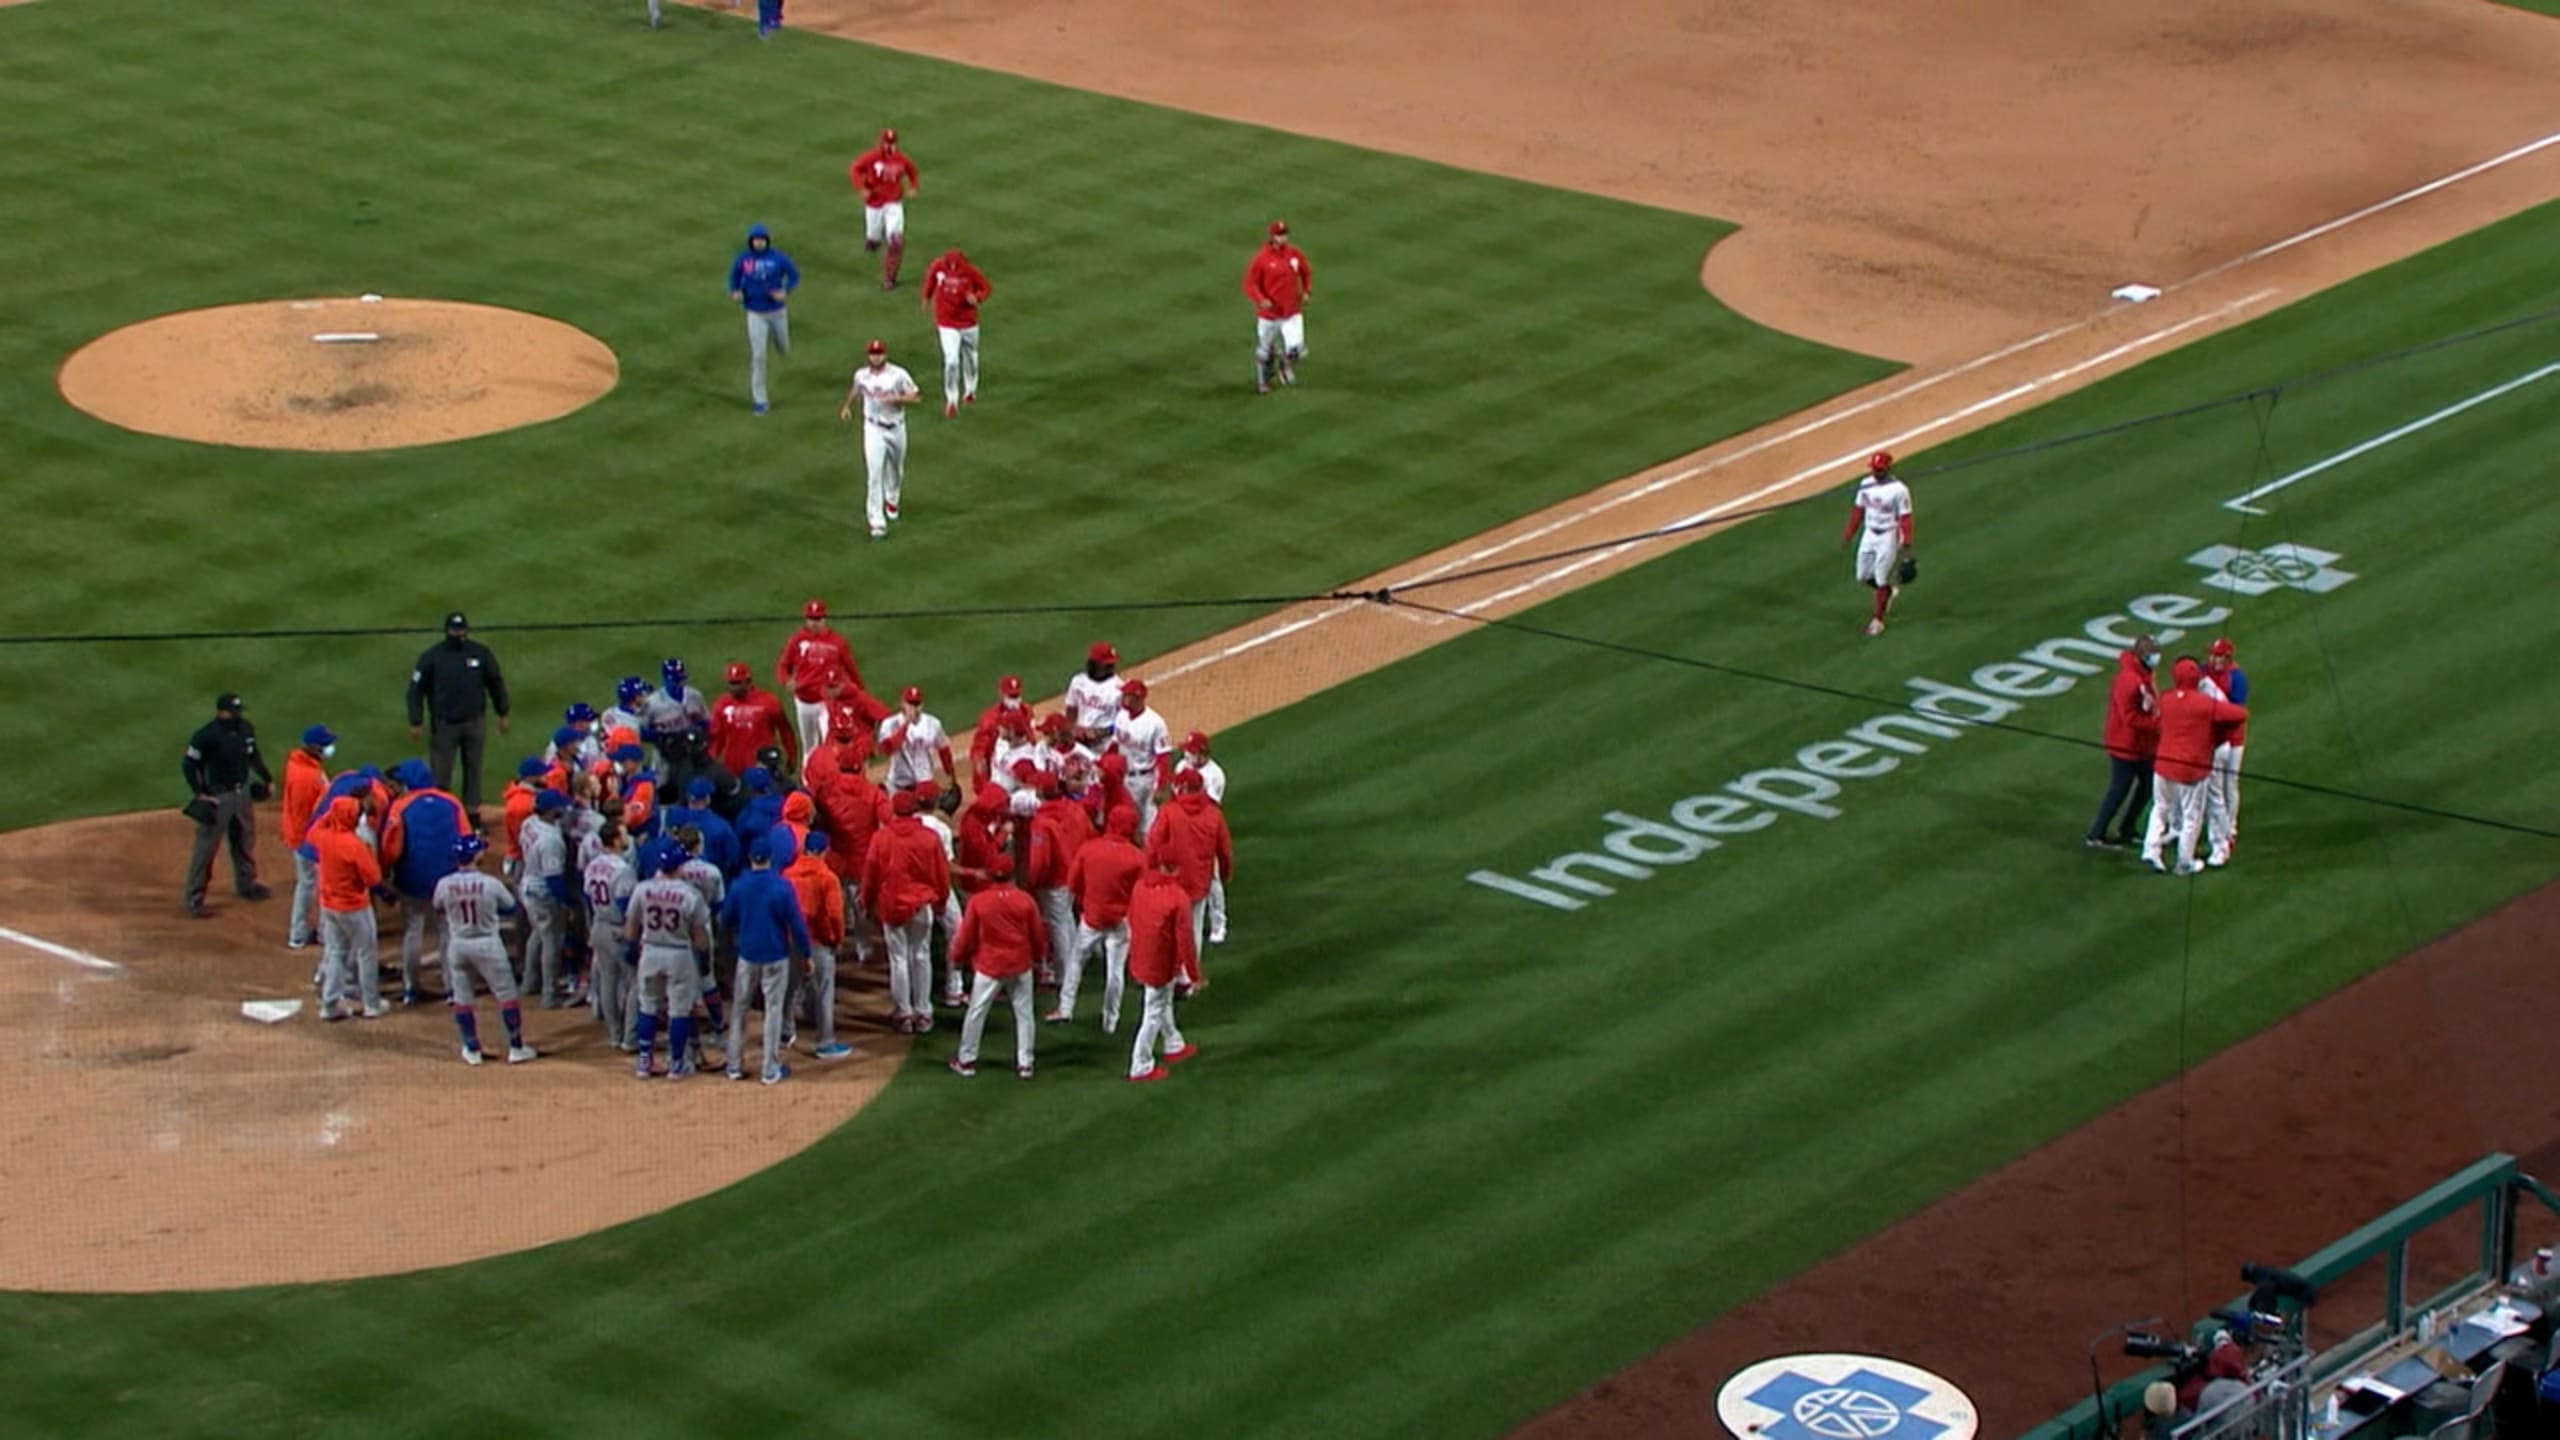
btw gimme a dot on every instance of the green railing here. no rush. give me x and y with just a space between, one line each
2493 1183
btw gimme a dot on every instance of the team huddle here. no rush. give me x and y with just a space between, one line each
1278 280
678 860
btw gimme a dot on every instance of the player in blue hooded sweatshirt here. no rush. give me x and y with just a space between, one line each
761 279
418 849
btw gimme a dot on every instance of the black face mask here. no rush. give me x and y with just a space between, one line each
453 641
227 721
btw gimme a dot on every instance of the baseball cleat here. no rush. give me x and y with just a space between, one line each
2216 862
736 1073
762 407
2099 842
1875 627
257 892
776 1074
879 532
963 1068
950 412
297 944
833 1050
680 1069
2189 867
376 1009
891 509
641 1069
1176 1057
471 1055
1261 387
519 1054
1022 1072
1153 1072
1056 1017
969 399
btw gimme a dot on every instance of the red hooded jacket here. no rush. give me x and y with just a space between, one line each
1160 948
2133 714
2187 718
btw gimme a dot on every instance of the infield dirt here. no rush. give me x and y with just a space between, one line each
1958 188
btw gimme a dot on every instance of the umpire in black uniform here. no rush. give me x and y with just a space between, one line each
452 690
225 775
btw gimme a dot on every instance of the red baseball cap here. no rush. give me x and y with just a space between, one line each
1000 865
1134 694
1188 780
903 803
876 347
1016 723
1881 461
1056 723
1101 653
888 137
1010 687
926 792
2218 647
1197 742
814 610
1279 227
739 673
912 695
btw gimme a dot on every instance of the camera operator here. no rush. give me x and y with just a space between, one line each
2223 1373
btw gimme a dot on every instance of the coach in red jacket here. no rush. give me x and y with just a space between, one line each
1000 935
2187 720
2132 734
1161 955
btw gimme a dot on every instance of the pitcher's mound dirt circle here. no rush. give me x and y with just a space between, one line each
338 374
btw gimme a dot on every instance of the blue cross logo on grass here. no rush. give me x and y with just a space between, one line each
1861 1405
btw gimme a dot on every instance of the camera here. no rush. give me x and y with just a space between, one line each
2161 1347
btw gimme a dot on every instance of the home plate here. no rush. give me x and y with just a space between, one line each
270 1012
346 337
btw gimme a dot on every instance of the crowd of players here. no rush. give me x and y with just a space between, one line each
676 859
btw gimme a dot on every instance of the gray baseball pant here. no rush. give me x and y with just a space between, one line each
770 979
234 817
351 959
764 327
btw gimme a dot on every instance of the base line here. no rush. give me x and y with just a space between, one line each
2241 502
81 958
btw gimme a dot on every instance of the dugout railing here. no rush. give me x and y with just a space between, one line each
2494 1188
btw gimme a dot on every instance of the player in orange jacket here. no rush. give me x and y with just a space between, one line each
822 905
306 779
351 963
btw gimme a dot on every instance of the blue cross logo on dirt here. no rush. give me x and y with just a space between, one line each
1861 1405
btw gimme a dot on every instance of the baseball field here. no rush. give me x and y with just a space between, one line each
1601 965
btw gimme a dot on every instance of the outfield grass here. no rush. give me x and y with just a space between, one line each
563 159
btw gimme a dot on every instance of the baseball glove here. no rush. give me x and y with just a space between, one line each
261 791
1910 569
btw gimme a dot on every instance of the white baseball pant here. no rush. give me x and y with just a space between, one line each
959 363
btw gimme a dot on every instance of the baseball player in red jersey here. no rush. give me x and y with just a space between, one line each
816 666
953 290
992 722
886 177
1278 282
746 720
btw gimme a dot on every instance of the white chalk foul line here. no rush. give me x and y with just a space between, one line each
2242 503
81 958
1830 471
1822 422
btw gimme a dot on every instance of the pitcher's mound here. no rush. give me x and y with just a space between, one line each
338 374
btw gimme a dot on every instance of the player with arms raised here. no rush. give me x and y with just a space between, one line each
1882 505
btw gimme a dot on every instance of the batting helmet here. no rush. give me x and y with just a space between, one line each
673 673
468 848
581 713
1881 461
631 688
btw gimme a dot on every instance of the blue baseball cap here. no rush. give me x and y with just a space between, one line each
413 775
816 844
319 735
530 766
581 713
757 779
699 788
629 752
759 853
550 800
567 737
